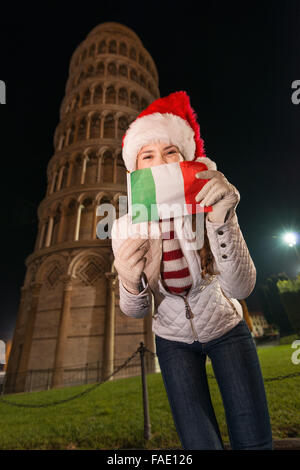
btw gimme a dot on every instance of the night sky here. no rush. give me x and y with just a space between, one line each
237 66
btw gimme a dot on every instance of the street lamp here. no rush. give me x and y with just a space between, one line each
291 238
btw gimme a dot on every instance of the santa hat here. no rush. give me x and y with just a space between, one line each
170 119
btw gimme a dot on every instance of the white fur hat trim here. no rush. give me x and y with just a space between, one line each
154 128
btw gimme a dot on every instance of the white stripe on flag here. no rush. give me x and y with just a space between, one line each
169 187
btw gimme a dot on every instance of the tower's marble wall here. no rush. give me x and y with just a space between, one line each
69 312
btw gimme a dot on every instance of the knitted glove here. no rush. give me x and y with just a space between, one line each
130 262
218 193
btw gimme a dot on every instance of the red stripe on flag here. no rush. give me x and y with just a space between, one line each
192 185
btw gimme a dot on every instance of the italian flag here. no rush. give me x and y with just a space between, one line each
165 191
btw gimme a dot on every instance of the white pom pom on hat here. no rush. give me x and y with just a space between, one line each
170 119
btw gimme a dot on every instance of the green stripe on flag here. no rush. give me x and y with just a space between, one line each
143 192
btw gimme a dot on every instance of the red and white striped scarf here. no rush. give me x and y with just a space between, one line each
174 268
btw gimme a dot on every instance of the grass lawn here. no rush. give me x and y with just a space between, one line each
111 416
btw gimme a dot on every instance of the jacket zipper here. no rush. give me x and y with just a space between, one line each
189 315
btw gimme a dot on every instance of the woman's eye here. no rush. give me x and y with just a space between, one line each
172 151
148 156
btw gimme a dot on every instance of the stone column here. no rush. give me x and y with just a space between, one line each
102 126
115 168
49 231
83 170
99 164
61 226
62 336
70 172
42 234
92 94
88 127
109 328
77 225
67 136
53 182
116 130
60 176
94 223
77 123
24 362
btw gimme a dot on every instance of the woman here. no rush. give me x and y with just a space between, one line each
195 292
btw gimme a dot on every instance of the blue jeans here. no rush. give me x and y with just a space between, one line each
237 370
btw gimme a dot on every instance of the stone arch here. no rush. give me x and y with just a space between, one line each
71 134
123 71
133 75
111 69
70 214
141 59
123 97
90 71
109 126
110 95
112 48
57 215
100 70
122 126
123 49
88 266
86 217
121 177
107 167
82 128
91 167
95 126
86 99
132 53
75 103
102 47
81 77
103 198
65 173
142 80
51 269
134 101
98 94
77 168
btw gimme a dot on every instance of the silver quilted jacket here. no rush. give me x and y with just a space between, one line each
211 308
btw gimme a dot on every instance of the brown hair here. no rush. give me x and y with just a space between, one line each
205 253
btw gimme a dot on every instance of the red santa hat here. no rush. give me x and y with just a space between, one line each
170 119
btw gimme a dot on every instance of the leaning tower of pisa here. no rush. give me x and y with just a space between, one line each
69 317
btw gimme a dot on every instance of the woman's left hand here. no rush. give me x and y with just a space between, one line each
218 193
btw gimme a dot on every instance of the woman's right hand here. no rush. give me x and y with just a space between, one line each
130 262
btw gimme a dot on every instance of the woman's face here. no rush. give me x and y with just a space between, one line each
157 154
